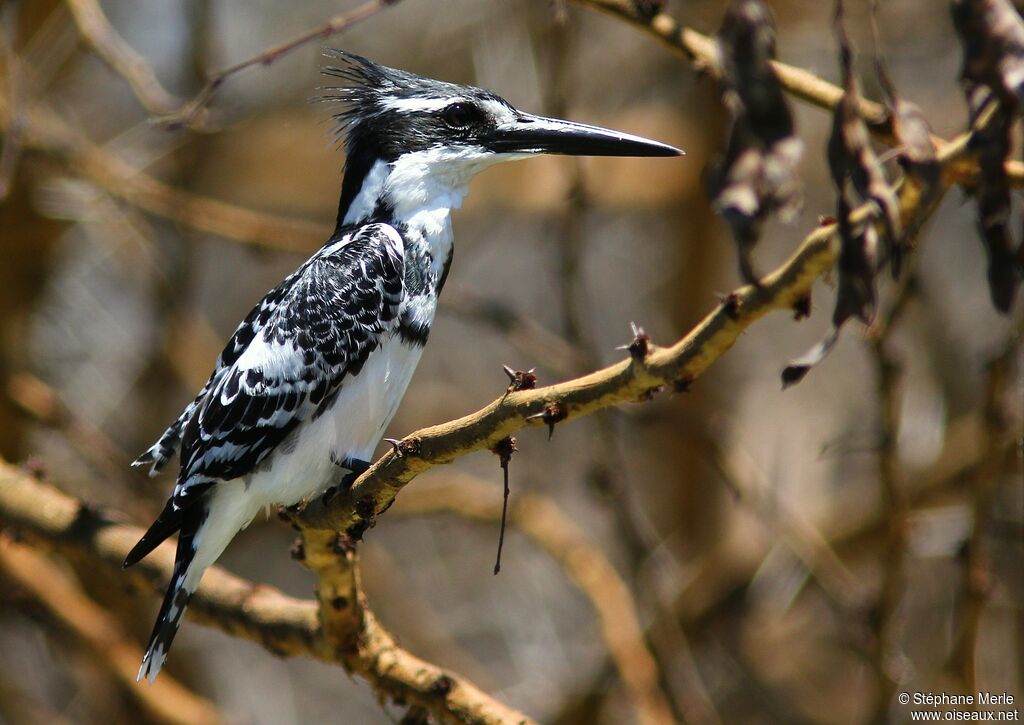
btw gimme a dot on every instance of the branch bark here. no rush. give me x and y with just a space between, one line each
40 513
365 648
282 624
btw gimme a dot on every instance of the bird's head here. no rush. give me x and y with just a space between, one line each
425 138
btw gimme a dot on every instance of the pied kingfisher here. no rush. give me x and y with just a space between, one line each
301 395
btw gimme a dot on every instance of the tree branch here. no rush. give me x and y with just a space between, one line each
628 380
635 379
191 113
111 48
282 624
39 512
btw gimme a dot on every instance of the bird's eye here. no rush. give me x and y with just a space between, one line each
459 115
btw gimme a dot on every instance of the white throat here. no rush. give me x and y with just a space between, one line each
434 181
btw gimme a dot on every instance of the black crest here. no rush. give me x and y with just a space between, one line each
375 125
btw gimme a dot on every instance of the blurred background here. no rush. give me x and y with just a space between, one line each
750 525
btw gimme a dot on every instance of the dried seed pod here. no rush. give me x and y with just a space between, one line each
858 177
992 36
757 175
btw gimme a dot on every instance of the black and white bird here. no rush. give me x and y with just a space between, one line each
302 393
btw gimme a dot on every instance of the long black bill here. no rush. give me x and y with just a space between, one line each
536 134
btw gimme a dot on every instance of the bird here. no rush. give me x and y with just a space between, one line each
304 389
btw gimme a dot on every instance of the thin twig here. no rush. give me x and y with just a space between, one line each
45 405
192 113
112 49
44 130
896 504
11 150
977 570
800 536
689 696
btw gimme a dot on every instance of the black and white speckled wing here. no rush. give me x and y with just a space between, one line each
292 353
167 445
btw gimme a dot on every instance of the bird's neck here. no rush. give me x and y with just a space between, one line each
415 188
411 195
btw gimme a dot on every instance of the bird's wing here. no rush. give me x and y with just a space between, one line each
317 327
167 445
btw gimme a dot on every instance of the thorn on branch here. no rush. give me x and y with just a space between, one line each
731 304
640 345
36 467
553 413
405 447
442 686
298 551
802 307
520 379
649 394
682 385
366 510
503 450
647 10
287 514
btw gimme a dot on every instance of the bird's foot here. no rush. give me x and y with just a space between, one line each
356 468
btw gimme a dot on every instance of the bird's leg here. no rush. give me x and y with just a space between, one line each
356 467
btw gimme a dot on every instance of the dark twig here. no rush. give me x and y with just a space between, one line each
504 450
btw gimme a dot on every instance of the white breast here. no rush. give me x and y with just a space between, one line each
351 427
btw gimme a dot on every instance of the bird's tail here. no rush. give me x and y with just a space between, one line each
184 581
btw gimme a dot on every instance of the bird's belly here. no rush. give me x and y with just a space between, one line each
350 428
